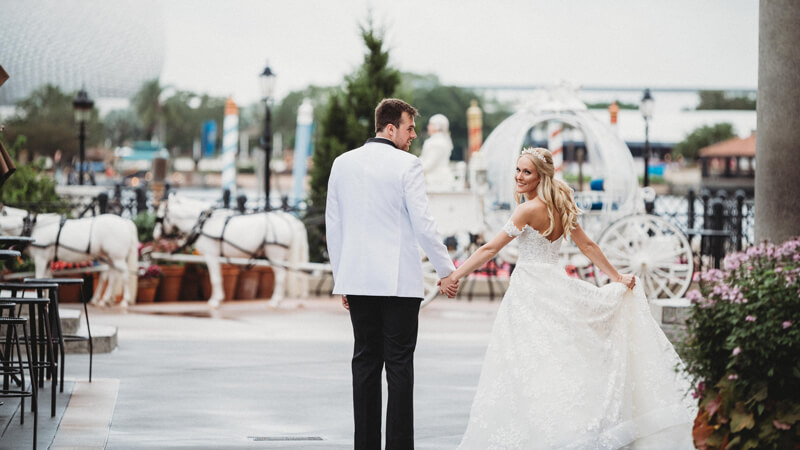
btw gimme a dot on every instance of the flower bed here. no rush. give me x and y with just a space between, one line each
743 350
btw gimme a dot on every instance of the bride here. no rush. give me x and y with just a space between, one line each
571 365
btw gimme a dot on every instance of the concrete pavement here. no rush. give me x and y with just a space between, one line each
248 376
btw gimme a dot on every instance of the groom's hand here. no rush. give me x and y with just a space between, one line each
345 303
448 286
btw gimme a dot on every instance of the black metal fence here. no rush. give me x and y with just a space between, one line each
715 223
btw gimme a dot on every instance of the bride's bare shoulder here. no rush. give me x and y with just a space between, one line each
530 212
533 208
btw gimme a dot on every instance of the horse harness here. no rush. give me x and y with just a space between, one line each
197 231
29 222
259 254
194 233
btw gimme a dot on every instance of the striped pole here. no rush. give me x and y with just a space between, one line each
555 142
302 148
613 113
474 128
230 143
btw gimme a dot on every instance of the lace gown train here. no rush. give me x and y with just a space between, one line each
571 365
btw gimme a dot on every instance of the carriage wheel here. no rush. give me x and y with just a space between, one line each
651 248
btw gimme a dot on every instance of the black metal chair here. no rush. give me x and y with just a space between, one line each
9 242
42 331
12 364
57 320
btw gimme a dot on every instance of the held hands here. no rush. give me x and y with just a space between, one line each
448 286
627 279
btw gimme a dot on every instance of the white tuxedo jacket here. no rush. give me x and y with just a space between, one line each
377 218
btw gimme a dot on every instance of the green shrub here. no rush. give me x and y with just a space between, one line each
145 224
29 185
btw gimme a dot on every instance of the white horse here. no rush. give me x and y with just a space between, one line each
107 238
278 236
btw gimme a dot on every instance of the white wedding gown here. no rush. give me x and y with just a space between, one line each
570 365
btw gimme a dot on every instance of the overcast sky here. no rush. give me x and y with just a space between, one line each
220 47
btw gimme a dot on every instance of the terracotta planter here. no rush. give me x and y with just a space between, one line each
71 293
170 286
230 274
247 284
146 291
267 283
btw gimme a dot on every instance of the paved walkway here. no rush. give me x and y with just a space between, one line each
247 376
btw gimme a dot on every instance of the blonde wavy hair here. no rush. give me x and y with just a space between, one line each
556 194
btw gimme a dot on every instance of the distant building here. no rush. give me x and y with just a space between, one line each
730 164
110 47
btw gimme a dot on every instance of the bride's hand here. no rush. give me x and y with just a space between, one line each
628 280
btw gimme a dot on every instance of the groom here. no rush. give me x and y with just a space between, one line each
377 218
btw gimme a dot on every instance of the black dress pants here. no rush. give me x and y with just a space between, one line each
385 331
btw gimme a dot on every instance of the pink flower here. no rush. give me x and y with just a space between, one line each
694 295
786 324
698 392
778 269
736 351
712 275
733 261
750 318
733 376
781 426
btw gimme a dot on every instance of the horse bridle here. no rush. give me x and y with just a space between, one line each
193 234
28 222
162 220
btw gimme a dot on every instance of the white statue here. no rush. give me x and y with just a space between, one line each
435 156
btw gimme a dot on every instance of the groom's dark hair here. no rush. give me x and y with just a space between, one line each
390 111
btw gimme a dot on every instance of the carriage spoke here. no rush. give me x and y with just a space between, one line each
670 256
651 289
652 248
662 282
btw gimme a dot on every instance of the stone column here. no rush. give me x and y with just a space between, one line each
778 140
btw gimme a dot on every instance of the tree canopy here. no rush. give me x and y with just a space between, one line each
703 137
46 120
726 100
349 120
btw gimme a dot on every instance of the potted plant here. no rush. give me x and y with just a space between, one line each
149 277
742 347
170 286
71 293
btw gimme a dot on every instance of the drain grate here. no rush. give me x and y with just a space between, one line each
284 438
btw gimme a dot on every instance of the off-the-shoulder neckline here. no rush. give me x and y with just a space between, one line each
535 231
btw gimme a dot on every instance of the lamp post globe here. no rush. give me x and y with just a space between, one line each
267 82
82 105
646 108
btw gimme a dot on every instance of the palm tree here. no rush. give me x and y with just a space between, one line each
147 106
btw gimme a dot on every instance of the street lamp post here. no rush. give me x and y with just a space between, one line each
82 105
646 108
267 79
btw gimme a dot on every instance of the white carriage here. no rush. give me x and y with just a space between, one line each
652 248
